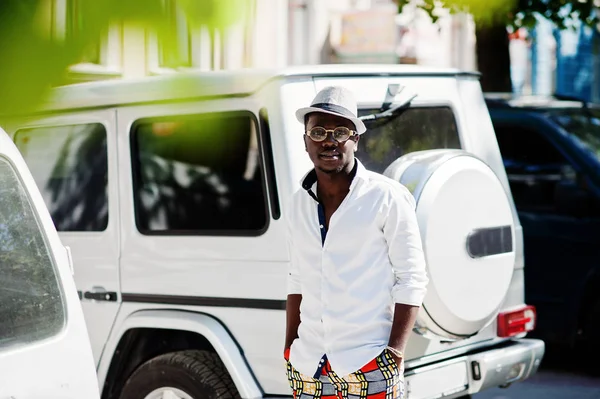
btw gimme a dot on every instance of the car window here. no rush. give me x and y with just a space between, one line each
70 167
416 129
199 174
526 150
31 304
582 126
537 171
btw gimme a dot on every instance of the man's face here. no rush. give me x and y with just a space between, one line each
329 156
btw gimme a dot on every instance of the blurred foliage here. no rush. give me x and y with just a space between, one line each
34 58
515 13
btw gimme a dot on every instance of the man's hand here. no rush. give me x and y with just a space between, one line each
399 362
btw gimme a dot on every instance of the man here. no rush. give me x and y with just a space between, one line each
357 276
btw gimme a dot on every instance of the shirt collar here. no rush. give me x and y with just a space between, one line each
359 173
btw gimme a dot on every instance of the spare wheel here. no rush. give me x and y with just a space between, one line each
467 229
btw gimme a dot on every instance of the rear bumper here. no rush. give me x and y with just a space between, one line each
488 368
498 367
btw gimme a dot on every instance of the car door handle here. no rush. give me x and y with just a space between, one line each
100 294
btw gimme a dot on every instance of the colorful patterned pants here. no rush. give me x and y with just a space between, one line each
379 379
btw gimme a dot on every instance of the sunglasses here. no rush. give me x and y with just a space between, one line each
340 133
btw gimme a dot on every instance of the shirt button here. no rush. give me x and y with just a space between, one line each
321 226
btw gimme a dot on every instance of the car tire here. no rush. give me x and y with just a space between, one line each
187 374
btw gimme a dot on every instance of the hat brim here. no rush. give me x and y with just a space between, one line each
302 112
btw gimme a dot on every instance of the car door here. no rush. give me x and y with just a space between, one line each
72 158
198 225
560 237
44 347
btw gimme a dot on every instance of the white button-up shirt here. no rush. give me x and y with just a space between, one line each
371 259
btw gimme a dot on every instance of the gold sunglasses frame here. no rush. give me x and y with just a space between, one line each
327 131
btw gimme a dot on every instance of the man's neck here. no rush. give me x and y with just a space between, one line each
334 184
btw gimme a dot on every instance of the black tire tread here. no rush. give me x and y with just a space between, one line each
204 367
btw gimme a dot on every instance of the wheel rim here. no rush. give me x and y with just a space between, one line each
168 393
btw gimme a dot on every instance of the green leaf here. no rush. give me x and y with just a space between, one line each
522 13
402 4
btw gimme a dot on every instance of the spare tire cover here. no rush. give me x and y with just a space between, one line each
467 229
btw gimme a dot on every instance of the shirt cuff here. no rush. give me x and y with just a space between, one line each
409 296
293 286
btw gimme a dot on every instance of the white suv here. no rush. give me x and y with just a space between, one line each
170 192
44 347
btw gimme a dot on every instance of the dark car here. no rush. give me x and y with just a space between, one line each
551 151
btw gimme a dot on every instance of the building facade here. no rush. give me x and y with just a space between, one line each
273 33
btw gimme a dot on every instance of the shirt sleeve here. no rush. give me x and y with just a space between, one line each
293 277
405 249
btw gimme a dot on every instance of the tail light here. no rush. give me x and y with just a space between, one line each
516 321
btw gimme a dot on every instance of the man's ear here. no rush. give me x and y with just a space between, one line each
305 145
356 143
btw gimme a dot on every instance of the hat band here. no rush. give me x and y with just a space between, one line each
335 108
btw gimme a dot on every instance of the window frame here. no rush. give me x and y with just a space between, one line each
176 20
208 48
19 342
109 46
135 172
107 187
72 28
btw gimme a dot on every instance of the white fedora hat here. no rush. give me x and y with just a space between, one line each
334 100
